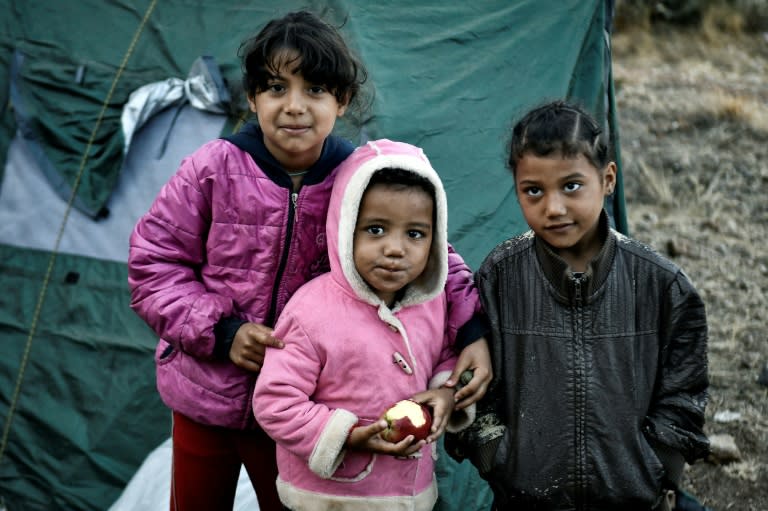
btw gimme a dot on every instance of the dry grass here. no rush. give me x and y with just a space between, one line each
715 17
693 116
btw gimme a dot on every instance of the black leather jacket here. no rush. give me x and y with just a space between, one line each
601 378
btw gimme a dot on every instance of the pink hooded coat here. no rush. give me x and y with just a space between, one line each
337 368
210 247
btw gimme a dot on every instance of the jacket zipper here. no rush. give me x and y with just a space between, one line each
579 360
270 319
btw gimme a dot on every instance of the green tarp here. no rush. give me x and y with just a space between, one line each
78 406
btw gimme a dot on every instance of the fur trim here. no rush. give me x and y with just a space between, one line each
329 450
438 379
432 281
298 499
459 419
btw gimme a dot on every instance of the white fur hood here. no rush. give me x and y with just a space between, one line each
350 183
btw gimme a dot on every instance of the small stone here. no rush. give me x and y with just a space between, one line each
711 225
676 248
723 449
727 416
650 217
762 378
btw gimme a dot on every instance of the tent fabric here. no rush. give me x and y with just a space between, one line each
150 487
87 407
78 407
446 77
162 143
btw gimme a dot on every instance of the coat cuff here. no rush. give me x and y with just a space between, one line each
459 419
673 462
225 331
329 450
473 330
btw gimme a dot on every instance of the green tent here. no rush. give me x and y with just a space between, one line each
78 407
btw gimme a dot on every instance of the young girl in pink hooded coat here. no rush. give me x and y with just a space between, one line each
358 339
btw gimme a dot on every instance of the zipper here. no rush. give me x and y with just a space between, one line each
292 217
579 367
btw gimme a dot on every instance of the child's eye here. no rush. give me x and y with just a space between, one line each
532 191
416 234
376 230
317 89
572 187
275 87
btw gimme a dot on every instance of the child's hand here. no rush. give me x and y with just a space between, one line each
476 357
441 401
368 438
250 344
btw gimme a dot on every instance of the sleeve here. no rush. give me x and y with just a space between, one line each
459 419
283 406
225 331
481 439
166 250
466 322
676 418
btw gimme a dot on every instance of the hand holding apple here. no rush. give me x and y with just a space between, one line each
369 438
407 417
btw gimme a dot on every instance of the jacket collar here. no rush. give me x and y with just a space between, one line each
251 140
559 274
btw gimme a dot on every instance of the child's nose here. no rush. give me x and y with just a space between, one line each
295 102
394 247
554 205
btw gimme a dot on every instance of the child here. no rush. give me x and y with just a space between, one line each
322 397
231 237
599 343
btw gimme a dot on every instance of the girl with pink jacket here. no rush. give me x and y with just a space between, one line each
369 333
229 239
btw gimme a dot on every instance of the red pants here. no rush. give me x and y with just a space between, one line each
206 466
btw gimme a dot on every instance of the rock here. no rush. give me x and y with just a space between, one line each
723 449
762 378
727 416
676 247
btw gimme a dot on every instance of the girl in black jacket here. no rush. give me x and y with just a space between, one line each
598 342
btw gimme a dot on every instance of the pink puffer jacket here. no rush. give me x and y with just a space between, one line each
226 237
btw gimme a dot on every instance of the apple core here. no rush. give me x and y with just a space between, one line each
408 408
407 417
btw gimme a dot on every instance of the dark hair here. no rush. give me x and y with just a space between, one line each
558 128
322 56
401 179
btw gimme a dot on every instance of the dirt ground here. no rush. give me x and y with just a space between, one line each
693 117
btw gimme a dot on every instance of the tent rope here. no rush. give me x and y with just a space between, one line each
54 252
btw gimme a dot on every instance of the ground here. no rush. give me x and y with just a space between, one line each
692 104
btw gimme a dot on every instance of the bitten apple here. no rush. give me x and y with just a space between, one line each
407 417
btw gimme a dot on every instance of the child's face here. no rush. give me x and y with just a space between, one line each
393 237
296 116
561 200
